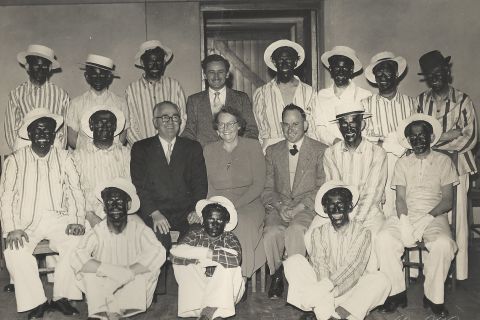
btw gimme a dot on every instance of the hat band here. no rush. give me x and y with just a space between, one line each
349 113
96 65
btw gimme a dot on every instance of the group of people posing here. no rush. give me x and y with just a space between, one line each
327 188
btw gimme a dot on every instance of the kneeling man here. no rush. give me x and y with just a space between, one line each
207 263
335 283
119 260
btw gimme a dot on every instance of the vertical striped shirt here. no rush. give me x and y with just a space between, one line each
456 112
32 185
341 256
97 166
27 97
142 96
364 168
268 105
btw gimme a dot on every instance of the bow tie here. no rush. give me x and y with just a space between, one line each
294 150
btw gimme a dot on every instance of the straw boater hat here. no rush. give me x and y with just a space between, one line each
329 185
381 57
223 202
267 55
431 60
124 185
437 129
152 44
36 114
347 108
101 62
342 51
39 51
85 120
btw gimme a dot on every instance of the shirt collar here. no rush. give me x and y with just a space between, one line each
93 148
274 81
165 143
348 92
94 93
450 96
36 157
298 144
359 149
380 97
31 86
221 91
147 83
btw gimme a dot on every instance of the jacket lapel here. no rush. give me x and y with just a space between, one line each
283 168
229 98
304 157
205 108
160 153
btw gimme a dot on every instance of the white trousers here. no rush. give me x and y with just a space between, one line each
389 207
370 291
23 267
133 298
196 291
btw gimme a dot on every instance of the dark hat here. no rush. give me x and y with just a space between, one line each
431 60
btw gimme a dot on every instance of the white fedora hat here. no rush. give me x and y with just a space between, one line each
85 120
124 185
346 108
152 44
98 61
36 114
224 202
329 185
437 128
40 51
385 56
342 51
267 55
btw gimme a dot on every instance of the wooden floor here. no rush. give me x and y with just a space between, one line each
463 305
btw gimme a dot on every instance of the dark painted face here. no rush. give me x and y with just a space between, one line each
341 70
351 128
216 74
214 223
419 139
285 60
116 203
42 134
386 76
293 126
38 69
154 63
438 78
103 125
98 78
338 207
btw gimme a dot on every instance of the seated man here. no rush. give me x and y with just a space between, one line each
335 283
103 159
207 263
424 183
121 284
294 175
41 199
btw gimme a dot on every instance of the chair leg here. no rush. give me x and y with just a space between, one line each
254 281
406 267
263 275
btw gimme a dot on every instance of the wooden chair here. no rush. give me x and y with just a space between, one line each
473 201
263 275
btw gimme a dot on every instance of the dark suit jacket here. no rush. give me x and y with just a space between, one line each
309 175
200 118
173 188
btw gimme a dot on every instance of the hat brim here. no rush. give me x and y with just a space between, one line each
225 203
23 132
366 115
22 58
329 185
139 54
267 55
357 65
437 129
124 185
401 63
85 120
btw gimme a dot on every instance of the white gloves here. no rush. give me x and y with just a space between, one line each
190 252
119 274
391 144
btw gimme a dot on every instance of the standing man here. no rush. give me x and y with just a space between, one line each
388 108
282 56
342 63
454 109
294 175
152 88
37 92
99 75
202 106
170 175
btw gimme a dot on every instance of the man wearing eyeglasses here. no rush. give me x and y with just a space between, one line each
169 174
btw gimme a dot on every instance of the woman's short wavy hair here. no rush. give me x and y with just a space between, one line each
234 112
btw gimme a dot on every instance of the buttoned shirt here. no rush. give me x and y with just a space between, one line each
222 95
91 98
423 179
455 112
165 144
268 105
364 168
341 256
97 166
142 96
27 97
293 160
324 111
32 185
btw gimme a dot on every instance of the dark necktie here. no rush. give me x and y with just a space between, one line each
294 150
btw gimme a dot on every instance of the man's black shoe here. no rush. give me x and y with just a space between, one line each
64 306
437 309
276 286
37 312
309 315
393 302
9 288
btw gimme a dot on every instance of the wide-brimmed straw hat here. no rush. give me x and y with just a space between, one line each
267 55
329 185
85 120
437 129
342 51
36 114
98 61
431 60
149 45
224 202
39 51
381 57
124 185
346 108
